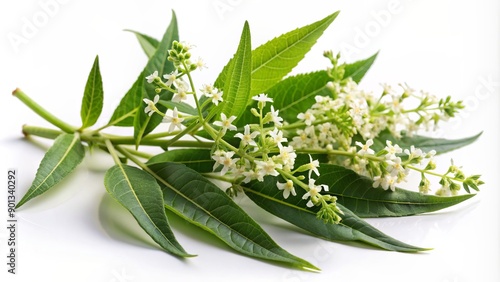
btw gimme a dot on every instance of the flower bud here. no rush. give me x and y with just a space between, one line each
254 112
431 165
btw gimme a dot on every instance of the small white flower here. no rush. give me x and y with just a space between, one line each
268 167
413 153
444 191
407 91
171 77
365 148
313 193
396 168
430 154
187 45
389 182
277 120
181 92
308 117
313 166
151 105
225 122
387 88
216 156
277 136
247 138
213 93
150 78
225 159
200 64
251 175
262 98
287 156
377 181
287 188
392 150
207 89
175 120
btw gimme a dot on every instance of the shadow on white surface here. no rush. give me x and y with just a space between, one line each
120 225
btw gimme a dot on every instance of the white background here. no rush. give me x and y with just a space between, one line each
77 232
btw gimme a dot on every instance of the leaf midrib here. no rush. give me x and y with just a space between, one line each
142 207
304 97
93 90
327 22
66 153
207 212
246 189
376 200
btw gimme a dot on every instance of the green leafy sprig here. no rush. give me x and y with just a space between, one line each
313 149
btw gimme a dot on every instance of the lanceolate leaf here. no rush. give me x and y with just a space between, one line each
276 58
426 144
296 94
60 160
148 43
199 160
292 96
203 204
181 107
139 193
237 84
357 70
125 112
92 97
131 104
143 123
294 210
357 194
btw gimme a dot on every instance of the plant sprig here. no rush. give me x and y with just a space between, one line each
307 148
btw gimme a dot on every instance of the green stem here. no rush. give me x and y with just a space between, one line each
219 177
295 180
112 152
200 114
41 131
191 128
121 140
139 153
434 173
42 112
129 114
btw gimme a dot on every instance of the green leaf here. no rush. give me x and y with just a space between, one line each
237 84
144 123
125 112
148 43
199 160
92 97
276 58
294 210
140 194
131 104
59 161
357 70
426 144
356 193
193 197
295 94
181 107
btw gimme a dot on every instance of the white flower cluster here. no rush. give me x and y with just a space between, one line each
255 144
262 151
389 166
180 55
350 110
